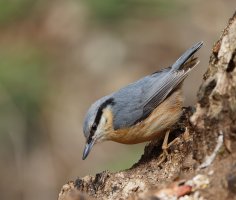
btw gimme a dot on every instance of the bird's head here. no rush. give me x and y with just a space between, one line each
98 123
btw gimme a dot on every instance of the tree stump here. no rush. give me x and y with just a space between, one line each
203 162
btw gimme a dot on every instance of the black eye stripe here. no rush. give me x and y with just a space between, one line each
97 119
100 109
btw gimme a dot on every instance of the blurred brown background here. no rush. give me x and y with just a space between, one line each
57 57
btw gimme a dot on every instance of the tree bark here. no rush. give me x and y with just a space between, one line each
204 155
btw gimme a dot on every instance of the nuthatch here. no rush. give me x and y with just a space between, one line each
143 110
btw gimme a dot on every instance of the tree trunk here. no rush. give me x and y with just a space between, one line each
202 163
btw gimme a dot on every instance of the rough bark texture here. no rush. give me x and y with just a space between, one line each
199 136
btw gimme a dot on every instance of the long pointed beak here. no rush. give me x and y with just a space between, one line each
87 149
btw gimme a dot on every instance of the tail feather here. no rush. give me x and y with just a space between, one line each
182 63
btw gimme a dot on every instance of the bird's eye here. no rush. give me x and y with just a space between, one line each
94 126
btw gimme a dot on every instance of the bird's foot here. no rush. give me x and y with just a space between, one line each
165 147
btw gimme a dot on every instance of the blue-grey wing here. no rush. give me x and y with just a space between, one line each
176 74
136 101
164 89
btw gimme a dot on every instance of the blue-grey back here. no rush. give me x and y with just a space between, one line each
130 100
137 100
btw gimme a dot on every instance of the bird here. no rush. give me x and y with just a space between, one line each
143 110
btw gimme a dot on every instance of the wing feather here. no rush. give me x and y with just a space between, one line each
136 101
167 86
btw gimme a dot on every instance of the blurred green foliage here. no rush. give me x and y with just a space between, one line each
111 11
130 158
11 10
108 11
23 81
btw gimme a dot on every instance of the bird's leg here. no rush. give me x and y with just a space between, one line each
165 146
